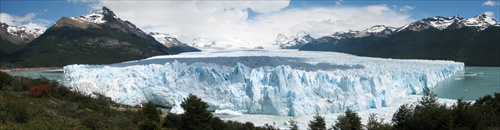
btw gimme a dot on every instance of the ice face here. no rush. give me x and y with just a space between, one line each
280 82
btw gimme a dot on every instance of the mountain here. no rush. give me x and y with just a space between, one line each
293 42
13 38
202 42
172 43
474 41
97 38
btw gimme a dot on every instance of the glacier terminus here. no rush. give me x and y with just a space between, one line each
273 82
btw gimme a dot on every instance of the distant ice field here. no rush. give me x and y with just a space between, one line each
269 82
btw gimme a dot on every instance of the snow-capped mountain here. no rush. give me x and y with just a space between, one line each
293 42
377 30
165 38
97 17
202 42
97 38
480 22
19 34
171 42
469 40
104 18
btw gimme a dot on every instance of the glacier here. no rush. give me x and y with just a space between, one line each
272 82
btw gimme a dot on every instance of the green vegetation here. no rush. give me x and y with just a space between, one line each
349 121
60 46
53 106
43 104
317 124
430 114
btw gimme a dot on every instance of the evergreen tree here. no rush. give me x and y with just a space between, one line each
172 121
293 125
402 118
151 119
349 121
196 115
375 124
318 123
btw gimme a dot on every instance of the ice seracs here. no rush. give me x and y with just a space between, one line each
263 82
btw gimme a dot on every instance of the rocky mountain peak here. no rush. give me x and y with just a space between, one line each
19 34
294 41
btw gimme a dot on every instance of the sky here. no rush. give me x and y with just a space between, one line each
258 21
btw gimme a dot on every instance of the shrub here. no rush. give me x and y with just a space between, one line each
5 79
14 111
39 91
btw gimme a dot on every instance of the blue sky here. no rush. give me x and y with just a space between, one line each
246 20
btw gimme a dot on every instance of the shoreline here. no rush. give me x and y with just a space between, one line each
30 69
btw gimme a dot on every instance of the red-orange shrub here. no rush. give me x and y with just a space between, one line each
39 91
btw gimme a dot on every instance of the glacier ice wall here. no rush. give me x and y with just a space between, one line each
263 82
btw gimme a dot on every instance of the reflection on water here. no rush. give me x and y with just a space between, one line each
471 84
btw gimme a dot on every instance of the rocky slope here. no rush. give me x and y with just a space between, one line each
13 38
172 43
474 41
97 38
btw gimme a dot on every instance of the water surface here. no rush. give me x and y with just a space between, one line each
472 83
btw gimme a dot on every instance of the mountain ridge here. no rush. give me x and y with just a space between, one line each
474 41
104 39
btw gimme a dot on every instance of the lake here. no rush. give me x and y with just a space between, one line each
472 83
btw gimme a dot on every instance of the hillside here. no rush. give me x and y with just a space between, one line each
98 38
472 41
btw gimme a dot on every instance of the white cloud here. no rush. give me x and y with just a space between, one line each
338 2
489 13
406 8
491 3
226 20
26 20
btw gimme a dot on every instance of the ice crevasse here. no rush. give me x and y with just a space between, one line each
263 82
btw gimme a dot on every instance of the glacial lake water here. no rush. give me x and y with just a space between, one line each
472 83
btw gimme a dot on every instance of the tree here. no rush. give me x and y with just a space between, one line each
196 116
318 123
172 121
349 121
151 119
402 118
375 124
426 114
293 125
